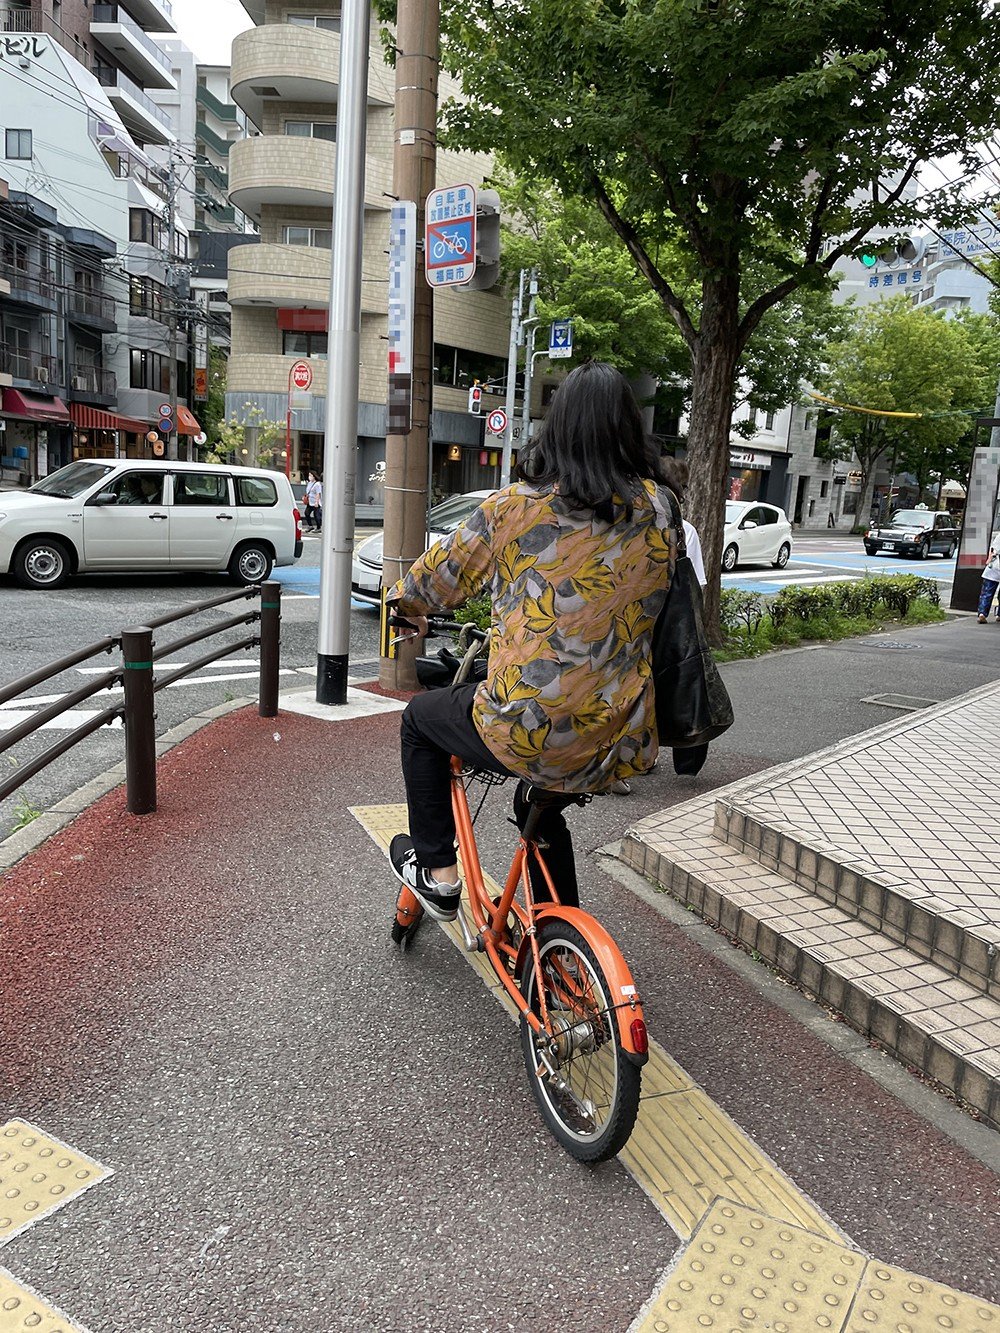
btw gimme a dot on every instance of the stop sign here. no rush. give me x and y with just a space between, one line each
302 375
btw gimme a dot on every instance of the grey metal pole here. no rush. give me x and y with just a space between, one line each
140 720
515 335
270 649
344 346
529 360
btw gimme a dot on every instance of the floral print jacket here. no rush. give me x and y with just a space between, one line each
568 700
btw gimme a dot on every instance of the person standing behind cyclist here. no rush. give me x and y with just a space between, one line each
577 557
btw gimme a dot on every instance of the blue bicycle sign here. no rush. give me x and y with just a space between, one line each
450 236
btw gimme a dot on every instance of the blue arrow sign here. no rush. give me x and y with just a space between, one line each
560 338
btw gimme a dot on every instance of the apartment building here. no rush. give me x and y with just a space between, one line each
284 77
85 233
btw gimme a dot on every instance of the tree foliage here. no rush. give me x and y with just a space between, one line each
755 131
899 358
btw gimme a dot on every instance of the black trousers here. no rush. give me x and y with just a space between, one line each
437 725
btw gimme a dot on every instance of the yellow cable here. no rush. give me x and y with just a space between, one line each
868 411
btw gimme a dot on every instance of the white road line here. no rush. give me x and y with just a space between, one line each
75 717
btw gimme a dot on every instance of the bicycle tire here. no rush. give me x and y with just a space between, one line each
602 1077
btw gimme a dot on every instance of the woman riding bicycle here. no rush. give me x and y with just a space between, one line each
577 557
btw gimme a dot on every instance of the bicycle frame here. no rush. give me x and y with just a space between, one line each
490 922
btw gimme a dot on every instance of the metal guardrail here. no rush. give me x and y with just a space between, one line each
140 653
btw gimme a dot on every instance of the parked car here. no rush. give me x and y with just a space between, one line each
104 515
918 532
366 568
755 534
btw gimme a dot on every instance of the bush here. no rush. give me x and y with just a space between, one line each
801 604
744 609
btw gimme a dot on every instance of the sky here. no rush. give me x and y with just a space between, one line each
209 26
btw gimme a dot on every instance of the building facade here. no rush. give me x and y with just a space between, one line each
284 77
86 240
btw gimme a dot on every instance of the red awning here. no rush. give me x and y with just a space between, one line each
29 407
187 422
92 418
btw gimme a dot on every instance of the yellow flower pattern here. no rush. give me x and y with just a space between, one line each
568 699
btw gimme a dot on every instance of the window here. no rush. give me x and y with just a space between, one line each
255 491
149 370
200 488
766 515
19 145
146 227
320 237
312 129
329 22
769 421
824 486
138 488
455 366
304 344
146 297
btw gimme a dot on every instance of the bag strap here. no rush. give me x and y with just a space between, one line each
676 520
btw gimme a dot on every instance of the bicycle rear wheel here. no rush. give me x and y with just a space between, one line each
586 1088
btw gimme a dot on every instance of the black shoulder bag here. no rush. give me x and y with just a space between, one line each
692 704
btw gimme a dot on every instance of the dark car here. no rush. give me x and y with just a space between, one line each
919 532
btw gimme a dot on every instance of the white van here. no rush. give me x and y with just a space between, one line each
113 515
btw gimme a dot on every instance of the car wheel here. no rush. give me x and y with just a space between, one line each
871 550
923 550
729 558
951 550
251 563
42 562
784 551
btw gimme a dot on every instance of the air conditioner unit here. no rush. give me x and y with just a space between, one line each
41 374
79 382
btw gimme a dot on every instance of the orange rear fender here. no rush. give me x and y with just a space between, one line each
624 993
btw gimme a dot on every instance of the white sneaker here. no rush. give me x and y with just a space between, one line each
439 900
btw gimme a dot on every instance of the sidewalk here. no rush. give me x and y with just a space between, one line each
308 1130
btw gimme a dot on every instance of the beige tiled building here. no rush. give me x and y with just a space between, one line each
285 77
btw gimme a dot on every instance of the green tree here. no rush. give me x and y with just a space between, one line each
214 411
900 359
254 441
760 133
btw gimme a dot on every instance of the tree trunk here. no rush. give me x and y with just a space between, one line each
867 490
714 360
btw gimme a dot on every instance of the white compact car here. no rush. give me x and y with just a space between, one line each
755 534
366 567
113 515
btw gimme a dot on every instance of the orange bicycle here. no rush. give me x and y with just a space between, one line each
583 1034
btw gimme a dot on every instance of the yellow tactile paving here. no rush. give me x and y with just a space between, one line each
22 1310
775 1262
891 1300
38 1174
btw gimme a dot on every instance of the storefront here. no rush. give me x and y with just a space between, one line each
36 437
750 475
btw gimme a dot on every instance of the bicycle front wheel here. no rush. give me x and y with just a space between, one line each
586 1088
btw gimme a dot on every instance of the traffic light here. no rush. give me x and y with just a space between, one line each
907 250
487 243
476 398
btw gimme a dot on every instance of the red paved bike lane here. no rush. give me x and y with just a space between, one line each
308 1129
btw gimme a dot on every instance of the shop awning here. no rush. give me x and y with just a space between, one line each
29 407
92 418
187 422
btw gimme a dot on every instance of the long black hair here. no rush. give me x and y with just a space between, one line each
592 443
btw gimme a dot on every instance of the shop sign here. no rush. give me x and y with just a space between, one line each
744 459
26 47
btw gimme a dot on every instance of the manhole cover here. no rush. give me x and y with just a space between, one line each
889 643
906 703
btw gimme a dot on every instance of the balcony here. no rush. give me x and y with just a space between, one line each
279 170
93 384
30 370
153 15
289 275
223 111
28 288
119 33
93 310
140 113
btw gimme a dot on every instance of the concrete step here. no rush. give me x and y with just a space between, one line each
908 912
924 1014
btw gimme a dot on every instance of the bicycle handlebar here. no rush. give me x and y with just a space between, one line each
442 625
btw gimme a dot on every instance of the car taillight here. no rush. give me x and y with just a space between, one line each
298 524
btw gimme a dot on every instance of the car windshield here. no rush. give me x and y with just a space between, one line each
733 512
910 518
450 514
72 480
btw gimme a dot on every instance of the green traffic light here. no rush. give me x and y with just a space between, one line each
869 261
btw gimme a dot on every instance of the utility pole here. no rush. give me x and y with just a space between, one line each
171 442
407 461
515 339
344 353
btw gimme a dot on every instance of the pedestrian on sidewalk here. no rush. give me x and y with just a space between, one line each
991 581
577 557
314 503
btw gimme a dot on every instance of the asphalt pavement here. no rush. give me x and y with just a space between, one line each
308 1129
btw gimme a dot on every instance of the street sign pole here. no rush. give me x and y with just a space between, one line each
515 332
529 360
344 346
